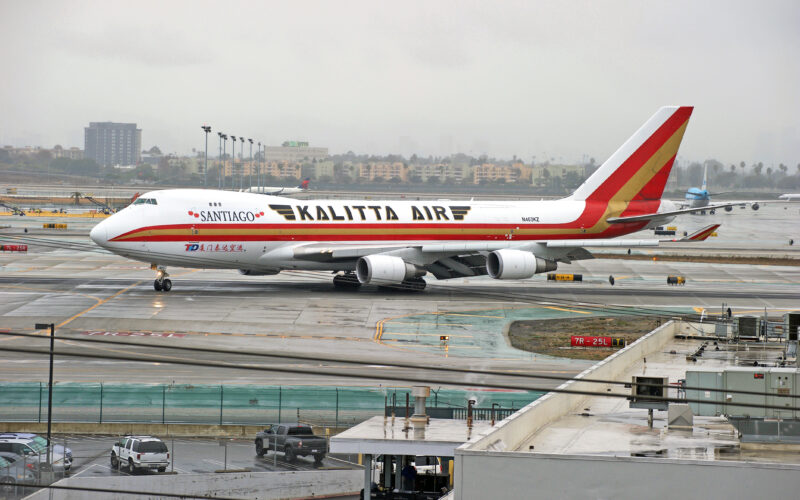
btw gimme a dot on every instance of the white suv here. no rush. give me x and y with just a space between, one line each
140 452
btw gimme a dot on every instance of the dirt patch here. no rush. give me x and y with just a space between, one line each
552 336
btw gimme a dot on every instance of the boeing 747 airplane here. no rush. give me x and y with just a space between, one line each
396 243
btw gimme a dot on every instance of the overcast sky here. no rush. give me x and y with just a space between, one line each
559 79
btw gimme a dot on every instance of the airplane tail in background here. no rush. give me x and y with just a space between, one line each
702 234
304 185
705 179
639 169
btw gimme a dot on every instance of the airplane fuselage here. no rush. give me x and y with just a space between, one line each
222 229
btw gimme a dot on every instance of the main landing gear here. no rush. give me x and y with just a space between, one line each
346 281
162 283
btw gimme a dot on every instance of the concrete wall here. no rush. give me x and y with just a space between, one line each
515 430
553 477
261 485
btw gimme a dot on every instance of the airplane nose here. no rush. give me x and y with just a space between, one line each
99 233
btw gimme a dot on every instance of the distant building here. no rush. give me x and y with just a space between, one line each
489 172
295 151
385 171
111 144
72 153
445 172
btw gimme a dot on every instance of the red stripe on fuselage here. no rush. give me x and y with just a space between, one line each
616 230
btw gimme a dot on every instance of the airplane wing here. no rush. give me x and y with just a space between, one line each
456 259
658 217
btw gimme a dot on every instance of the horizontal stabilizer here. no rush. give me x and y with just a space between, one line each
700 235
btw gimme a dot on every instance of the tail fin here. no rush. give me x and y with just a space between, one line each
705 179
639 169
702 234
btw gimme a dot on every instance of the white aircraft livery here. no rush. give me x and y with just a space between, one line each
395 243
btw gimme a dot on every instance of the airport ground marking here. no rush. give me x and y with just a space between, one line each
101 302
566 310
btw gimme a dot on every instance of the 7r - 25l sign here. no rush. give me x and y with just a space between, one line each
587 341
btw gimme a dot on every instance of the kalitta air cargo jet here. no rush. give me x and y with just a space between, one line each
396 243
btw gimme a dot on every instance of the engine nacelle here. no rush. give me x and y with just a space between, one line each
755 206
385 270
259 272
509 264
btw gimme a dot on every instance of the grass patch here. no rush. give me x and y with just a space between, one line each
552 336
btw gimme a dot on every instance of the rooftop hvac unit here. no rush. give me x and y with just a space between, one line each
747 326
645 390
791 325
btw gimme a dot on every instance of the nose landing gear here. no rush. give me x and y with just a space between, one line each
162 283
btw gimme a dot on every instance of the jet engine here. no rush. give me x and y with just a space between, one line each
385 270
258 272
509 264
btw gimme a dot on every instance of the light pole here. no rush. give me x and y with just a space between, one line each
219 182
224 154
233 162
52 327
206 129
258 172
250 169
241 157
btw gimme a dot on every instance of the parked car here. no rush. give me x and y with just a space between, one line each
36 449
293 440
58 450
140 452
13 473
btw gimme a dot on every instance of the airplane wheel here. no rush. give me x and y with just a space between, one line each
157 285
166 285
712 212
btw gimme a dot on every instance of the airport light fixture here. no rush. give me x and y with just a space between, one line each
250 168
206 129
241 157
224 154
233 162
52 328
219 182
258 172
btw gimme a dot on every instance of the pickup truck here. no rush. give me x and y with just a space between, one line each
293 440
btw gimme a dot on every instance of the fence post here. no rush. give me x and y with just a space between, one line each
101 402
279 406
163 404
337 408
221 398
40 402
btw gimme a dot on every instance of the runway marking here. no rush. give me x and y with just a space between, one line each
470 315
100 303
428 334
566 310
427 323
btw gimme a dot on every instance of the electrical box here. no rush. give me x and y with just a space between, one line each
699 386
780 388
746 379
644 389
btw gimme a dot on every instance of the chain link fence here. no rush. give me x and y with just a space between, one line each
225 404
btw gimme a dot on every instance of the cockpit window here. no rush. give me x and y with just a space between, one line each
145 201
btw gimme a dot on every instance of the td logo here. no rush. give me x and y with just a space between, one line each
191 247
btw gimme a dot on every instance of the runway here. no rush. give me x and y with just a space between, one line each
98 294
